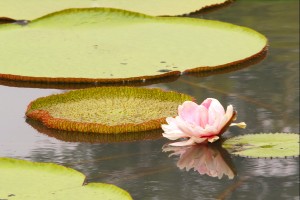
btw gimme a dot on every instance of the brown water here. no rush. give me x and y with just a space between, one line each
266 96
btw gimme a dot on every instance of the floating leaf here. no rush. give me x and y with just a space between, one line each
264 145
107 109
69 136
32 9
109 45
24 180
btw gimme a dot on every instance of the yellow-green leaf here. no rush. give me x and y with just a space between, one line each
264 145
24 180
109 45
31 9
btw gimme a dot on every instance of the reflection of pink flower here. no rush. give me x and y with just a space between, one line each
201 158
199 123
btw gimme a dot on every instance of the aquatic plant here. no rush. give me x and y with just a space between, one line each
32 9
264 145
25 180
107 109
199 123
103 45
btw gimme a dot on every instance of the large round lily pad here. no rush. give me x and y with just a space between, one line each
32 9
109 45
107 109
264 145
24 180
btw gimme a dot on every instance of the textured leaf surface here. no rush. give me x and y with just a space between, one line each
108 45
264 145
107 109
24 180
31 9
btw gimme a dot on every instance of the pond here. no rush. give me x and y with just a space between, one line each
266 96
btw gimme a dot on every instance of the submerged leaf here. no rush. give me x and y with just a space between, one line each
107 109
264 145
31 9
109 45
24 180
69 136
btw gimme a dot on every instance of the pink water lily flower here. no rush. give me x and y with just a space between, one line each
199 123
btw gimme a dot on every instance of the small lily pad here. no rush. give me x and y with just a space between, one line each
107 109
31 9
103 45
264 145
24 180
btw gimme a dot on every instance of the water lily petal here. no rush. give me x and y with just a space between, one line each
240 125
209 131
227 117
203 116
213 139
217 107
190 129
215 111
206 103
199 140
189 112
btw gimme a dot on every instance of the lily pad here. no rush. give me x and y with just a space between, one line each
32 9
24 180
107 109
264 145
109 45
94 138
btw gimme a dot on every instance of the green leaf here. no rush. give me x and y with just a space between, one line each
264 145
109 45
24 180
107 109
31 9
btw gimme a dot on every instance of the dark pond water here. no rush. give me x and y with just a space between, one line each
266 96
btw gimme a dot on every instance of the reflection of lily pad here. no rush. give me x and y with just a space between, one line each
31 9
24 180
264 145
69 136
107 109
109 45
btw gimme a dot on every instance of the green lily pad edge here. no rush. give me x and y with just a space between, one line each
264 145
24 180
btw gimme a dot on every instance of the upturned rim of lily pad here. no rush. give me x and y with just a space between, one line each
202 10
205 72
255 145
89 84
143 78
35 110
94 138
